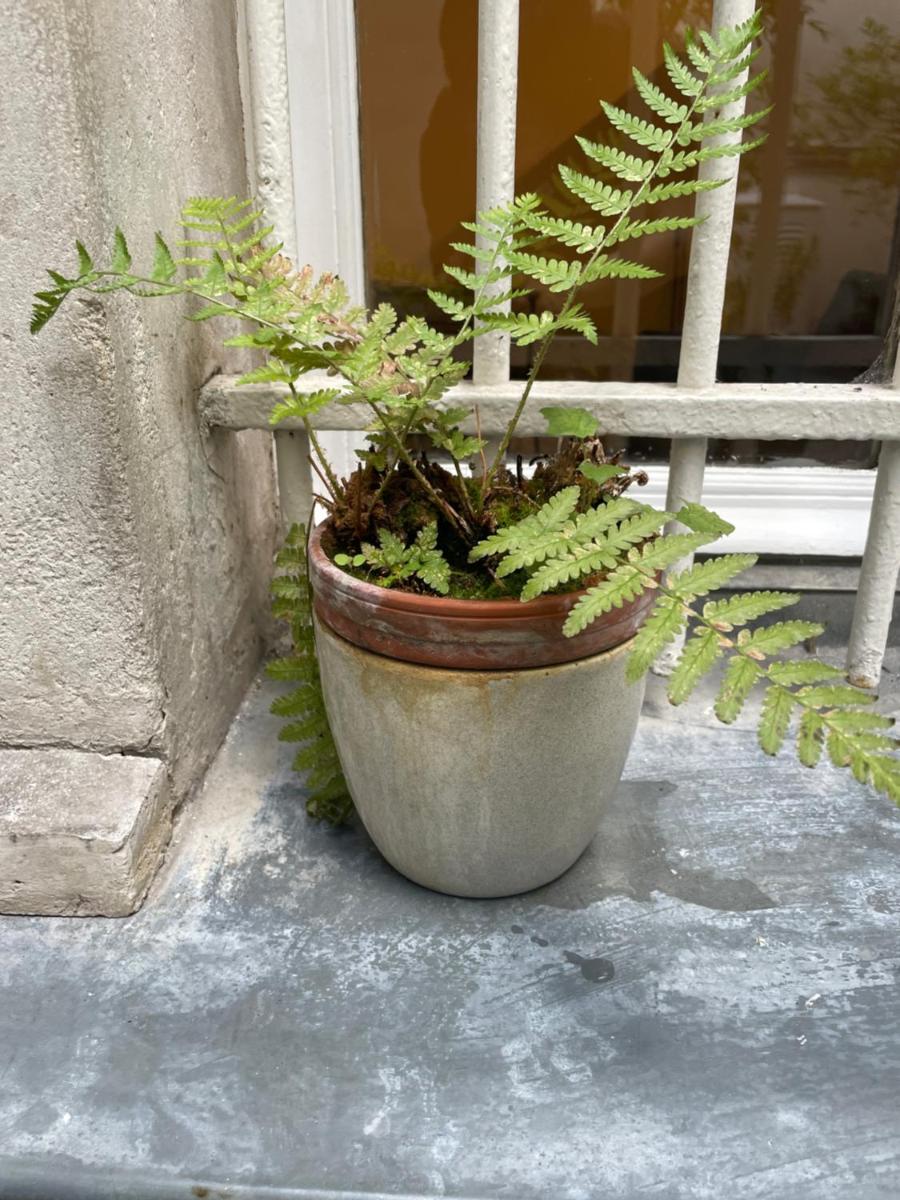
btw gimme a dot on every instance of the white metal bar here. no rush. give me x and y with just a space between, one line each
789 411
878 575
498 58
711 241
324 136
707 271
295 486
264 78
262 55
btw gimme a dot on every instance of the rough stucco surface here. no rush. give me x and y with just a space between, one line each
136 549
705 1006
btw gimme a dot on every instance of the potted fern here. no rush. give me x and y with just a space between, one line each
470 640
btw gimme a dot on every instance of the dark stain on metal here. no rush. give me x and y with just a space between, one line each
594 970
632 859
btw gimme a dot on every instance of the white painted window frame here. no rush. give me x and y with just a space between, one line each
299 73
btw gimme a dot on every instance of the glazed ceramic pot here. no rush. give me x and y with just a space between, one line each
480 746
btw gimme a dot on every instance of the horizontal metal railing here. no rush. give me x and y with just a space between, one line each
783 411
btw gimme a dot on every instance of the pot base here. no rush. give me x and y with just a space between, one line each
479 783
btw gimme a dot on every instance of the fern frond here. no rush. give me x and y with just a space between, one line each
550 516
605 267
835 695
593 542
642 132
810 738
775 718
685 187
622 585
657 100
303 406
714 128
583 238
665 622
524 328
644 228
626 166
559 275
741 675
744 607
771 638
700 652
709 575
682 79
804 671
602 197
303 708
703 520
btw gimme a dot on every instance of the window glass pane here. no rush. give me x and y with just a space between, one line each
816 242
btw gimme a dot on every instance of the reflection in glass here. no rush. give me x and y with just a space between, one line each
816 246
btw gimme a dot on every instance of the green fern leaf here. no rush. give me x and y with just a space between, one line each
626 166
804 671
85 262
781 636
657 100
645 228
835 696
721 99
686 83
707 576
775 718
552 515
584 238
524 328
664 552
578 322
577 548
740 676
661 627
685 187
700 652
624 584
617 268
559 275
121 259
857 721
271 372
639 131
703 520
715 128
449 305
601 197
566 421
435 573
810 738
700 60
164 266
302 407
884 774
744 607
290 668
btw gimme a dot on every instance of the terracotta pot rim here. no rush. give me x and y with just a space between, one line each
444 607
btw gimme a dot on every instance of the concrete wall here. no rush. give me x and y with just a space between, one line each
135 549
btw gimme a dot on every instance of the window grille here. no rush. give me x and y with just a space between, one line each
690 411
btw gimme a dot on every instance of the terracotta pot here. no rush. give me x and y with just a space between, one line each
474 635
480 746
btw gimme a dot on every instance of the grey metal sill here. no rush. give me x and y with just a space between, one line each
706 1004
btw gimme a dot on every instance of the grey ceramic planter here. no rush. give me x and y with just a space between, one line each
479 783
